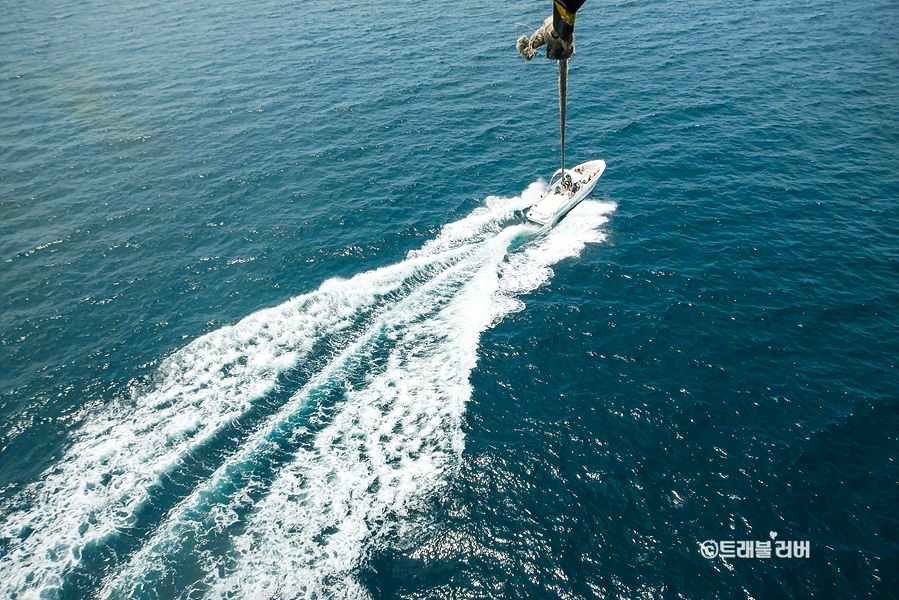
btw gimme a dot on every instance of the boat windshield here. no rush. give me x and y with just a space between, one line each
557 176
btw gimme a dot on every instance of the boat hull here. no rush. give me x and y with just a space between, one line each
566 190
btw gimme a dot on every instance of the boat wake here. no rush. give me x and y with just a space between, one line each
272 457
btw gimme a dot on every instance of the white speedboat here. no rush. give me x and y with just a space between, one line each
566 190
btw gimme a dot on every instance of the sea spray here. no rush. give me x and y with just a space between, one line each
342 467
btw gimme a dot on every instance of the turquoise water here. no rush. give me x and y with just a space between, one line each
272 324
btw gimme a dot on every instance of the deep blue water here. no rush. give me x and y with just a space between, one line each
272 324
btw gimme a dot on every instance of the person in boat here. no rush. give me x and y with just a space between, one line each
556 33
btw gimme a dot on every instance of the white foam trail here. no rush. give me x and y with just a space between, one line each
394 440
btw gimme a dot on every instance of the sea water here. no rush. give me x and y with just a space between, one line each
272 324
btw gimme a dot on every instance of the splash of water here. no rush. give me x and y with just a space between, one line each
346 463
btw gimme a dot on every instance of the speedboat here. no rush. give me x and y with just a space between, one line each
566 189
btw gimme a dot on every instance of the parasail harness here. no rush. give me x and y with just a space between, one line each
557 34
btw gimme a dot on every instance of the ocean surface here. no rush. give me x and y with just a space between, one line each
273 325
